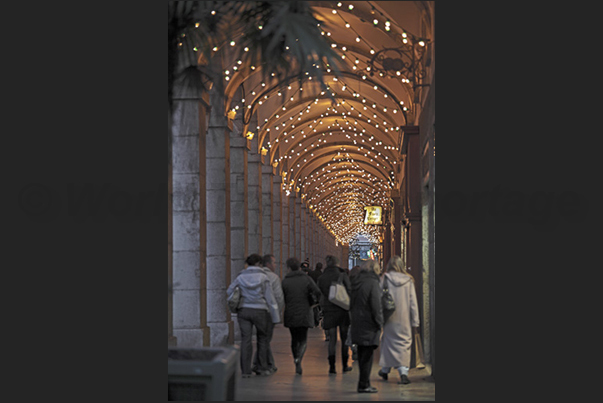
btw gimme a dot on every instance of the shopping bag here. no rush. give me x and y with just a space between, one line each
338 295
419 364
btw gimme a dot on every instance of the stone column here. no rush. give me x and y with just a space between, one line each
239 208
277 220
298 229
286 235
254 199
218 223
267 211
305 253
188 223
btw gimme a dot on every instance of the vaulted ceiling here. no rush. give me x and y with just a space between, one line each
339 149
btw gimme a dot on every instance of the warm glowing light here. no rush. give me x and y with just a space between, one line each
249 135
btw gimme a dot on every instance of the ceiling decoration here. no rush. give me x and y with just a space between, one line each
338 148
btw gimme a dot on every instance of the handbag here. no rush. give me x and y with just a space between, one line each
338 295
387 302
234 300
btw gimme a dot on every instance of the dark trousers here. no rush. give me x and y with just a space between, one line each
248 318
269 357
343 334
365 364
299 340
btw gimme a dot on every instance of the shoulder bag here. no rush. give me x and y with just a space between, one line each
234 300
338 295
387 302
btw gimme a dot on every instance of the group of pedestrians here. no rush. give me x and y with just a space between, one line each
266 300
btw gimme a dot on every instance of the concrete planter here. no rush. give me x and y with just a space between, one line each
202 374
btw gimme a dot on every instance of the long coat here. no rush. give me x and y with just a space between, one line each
297 287
396 340
333 315
365 307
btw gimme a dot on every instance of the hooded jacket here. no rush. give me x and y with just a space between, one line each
256 291
365 308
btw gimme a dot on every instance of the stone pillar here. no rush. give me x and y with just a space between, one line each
218 223
285 235
305 252
239 200
254 200
188 223
277 221
267 211
298 229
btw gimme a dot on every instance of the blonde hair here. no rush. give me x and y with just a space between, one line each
371 265
395 264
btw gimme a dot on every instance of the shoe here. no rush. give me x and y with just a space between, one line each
274 369
382 375
370 389
264 373
347 369
404 380
246 375
332 365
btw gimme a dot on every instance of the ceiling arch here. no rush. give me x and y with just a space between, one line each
339 145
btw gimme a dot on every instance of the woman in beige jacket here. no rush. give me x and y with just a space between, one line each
396 339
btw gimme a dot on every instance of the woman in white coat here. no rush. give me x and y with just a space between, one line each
396 340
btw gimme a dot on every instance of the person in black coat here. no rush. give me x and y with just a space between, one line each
300 292
333 315
367 319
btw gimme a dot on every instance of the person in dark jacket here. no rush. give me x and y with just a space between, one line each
299 291
335 316
367 319
316 272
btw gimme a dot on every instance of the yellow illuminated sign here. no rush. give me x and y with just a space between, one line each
373 215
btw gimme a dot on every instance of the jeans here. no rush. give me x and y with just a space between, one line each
249 317
269 357
365 364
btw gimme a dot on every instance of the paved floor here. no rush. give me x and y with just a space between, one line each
317 384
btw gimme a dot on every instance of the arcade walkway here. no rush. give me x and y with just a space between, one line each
317 384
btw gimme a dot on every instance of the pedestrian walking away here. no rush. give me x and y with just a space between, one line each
268 267
335 317
300 293
258 308
396 341
367 320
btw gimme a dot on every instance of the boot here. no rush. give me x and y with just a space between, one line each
344 361
332 365
300 354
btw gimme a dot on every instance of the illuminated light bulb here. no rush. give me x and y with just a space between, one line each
215 49
232 43
358 39
213 12
351 7
347 25
339 4
403 34
228 78
334 11
333 45
372 51
260 27
375 21
405 40
421 43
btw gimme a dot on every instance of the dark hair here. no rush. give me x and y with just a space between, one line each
318 266
293 263
266 259
253 259
331 260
